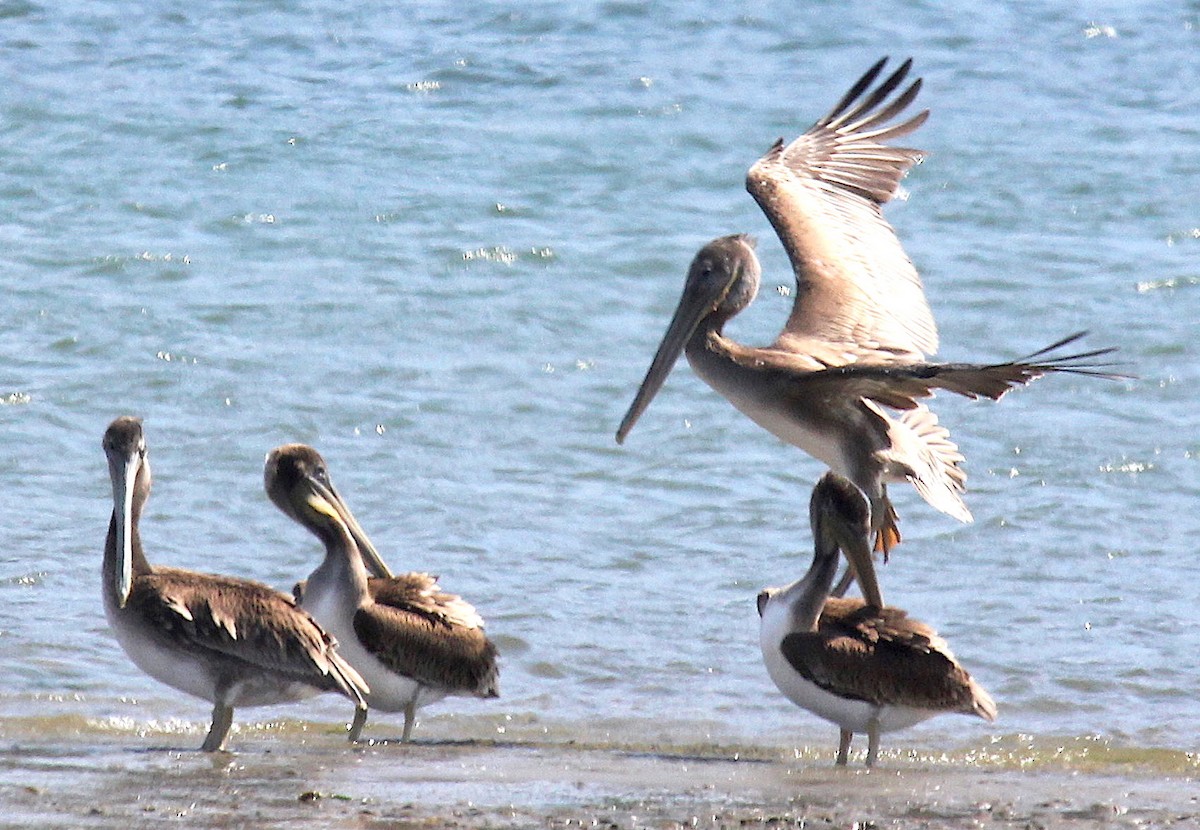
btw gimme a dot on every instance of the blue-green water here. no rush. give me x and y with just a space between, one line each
441 243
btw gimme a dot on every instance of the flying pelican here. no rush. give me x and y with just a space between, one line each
866 667
230 641
860 325
413 643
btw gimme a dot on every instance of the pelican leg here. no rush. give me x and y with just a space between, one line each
410 717
222 720
844 748
872 741
360 719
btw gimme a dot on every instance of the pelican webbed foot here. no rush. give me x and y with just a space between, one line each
887 534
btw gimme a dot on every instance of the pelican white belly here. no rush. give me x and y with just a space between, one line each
783 424
189 672
822 446
390 692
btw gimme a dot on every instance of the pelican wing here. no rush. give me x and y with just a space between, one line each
822 194
418 593
901 384
245 620
883 658
432 637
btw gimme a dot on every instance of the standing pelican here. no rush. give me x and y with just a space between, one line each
866 667
860 325
229 641
413 643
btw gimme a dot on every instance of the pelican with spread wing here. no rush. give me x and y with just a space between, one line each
856 342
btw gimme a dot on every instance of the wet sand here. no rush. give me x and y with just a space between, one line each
309 777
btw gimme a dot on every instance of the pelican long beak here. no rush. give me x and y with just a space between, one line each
840 520
855 543
695 304
371 559
123 486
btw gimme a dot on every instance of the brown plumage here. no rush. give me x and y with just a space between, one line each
883 657
429 635
903 385
864 666
858 294
425 633
856 340
240 619
230 641
413 642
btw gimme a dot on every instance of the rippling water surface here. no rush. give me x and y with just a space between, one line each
441 244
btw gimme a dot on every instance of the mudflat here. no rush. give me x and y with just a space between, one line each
312 778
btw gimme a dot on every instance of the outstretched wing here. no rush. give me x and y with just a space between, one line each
900 384
822 193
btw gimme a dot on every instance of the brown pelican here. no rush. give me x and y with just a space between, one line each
866 667
229 641
859 327
413 643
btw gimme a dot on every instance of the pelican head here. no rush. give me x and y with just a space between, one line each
298 483
129 468
841 520
723 279
841 523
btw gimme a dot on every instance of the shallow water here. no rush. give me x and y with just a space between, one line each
441 247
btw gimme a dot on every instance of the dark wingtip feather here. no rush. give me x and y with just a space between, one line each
1077 363
859 87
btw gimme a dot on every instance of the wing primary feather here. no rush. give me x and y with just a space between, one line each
822 193
1066 341
885 133
901 384
1072 363
852 156
887 113
859 87
877 95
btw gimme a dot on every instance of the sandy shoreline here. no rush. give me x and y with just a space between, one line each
315 780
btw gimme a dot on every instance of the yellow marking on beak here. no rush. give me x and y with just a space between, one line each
322 506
